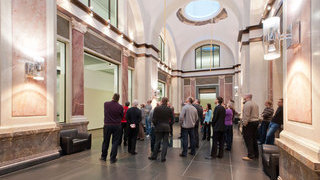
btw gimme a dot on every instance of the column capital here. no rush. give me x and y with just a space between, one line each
126 52
78 26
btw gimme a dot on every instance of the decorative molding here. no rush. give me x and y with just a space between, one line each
220 16
247 30
126 52
78 26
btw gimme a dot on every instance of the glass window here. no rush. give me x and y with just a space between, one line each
207 96
130 85
100 83
161 90
107 9
207 56
61 81
162 50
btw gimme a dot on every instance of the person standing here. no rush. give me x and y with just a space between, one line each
142 123
197 105
250 120
171 120
207 123
152 133
161 119
148 109
133 118
276 123
267 117
113 114
218 126
229 127
187 119
124 127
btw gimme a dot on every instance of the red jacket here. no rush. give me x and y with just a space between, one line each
125 109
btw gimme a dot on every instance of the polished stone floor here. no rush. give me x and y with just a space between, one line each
86 165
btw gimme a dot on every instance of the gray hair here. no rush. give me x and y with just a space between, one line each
135 103
249 96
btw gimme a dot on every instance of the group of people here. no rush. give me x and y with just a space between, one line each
269 124
122 122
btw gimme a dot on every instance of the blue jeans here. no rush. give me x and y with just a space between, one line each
273 127
148 126
185 132
263 131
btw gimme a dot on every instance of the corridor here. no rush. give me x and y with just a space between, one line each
86 165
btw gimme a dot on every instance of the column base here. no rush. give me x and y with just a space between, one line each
294 165
27 148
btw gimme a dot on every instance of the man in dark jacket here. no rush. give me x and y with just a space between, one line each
161 119
275 123
218 126
197 105
113 113
133 117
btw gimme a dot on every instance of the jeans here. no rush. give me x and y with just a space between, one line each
132 139
250 138
148 126
273 127
218 137
161 136
115 132
228 135
185 133
263 131
124 133
207 131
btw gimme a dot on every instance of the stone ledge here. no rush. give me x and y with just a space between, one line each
310 163
80 126
27 133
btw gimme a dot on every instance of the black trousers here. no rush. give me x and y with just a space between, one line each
250 138
115 132
207 131
161 137
196 134
132 139
124 133
228 136
218 137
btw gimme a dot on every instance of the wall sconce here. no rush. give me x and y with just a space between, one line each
34 70
236 91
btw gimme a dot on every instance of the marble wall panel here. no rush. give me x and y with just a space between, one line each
29 36
299 85
193 87
228 93
221 87
187 92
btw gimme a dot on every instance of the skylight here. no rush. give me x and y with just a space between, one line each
201 10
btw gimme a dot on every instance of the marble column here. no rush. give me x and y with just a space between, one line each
78 31
221 86
124 74
193 87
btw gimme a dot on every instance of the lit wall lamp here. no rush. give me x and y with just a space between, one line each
272 38
34 70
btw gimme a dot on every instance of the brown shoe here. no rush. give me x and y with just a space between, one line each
246 158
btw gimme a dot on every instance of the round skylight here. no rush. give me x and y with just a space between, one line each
201 10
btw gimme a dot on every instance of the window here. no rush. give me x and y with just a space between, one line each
100 83
161 90
61 81
207 56
162 49
107 9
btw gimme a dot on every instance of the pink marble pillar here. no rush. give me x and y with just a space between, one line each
228 92
193 87
78 31
124 73
221 86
